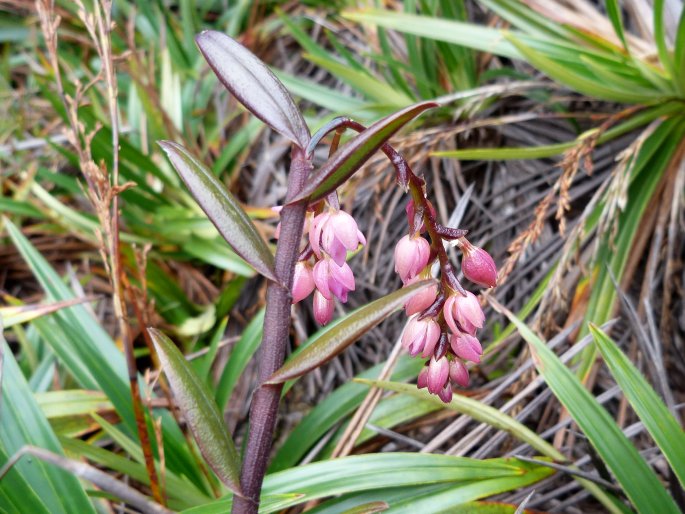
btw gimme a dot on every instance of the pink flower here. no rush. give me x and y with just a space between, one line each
463 313
333 280
411 256
421 300
467 347
478 266
303 281
335 233
323 308
421 336
446 394
422 380
458 373
438 374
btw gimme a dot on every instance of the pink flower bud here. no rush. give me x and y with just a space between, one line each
438 373
422 380
335 233
333 280
421 300
478 266
458 373
323 308
303 281
446 394
421 336
467 347
463 313
411 256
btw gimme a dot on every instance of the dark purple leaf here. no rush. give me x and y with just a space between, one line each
254 85
346 331
222 209
202 415
346 161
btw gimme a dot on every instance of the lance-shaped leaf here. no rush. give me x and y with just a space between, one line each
222 209
344 333
202 415
356 152
254 85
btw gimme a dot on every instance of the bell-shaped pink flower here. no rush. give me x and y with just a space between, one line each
335 232
421 300
466 346
422 380
303 281
333 280
458 373
421 336
463 313
478 266
323 308
438 373
411 256
446 394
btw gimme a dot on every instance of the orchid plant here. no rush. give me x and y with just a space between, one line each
444 317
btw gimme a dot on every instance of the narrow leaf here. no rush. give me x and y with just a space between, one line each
660 423
368 508
637 479
16 315
203 417
254 85
356 152
222 209
345 332
614 13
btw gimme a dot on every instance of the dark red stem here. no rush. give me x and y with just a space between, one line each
265 401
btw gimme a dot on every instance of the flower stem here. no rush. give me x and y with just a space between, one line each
264 408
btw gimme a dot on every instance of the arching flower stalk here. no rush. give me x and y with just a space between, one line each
444 318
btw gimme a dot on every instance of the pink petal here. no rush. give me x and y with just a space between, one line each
323 309
303 282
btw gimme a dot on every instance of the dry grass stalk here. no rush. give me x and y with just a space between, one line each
103 185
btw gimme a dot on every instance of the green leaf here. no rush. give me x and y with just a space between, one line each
637 479
254 85
330 411
222 209
204 419
614 13
660 37
241 354
345 332
660 423
16 315
31 485
583 82
369 86
478 411
346 161
397 471
368 508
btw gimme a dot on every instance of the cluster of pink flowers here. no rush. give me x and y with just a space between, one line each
443 320
331 233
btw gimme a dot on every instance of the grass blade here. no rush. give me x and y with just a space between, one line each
660 423
637 479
